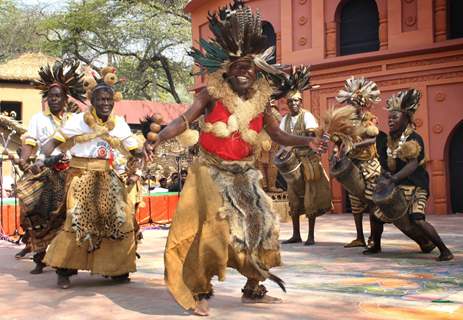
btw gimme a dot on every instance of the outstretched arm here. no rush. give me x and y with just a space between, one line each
281 137
178 125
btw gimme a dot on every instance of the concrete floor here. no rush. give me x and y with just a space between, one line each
325 281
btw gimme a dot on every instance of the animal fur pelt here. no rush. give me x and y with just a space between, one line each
99 211
248 209
409 150
339 124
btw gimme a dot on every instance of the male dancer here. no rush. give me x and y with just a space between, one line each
224 218
315 198
40 190
402 160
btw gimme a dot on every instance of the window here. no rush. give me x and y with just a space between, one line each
455 22
12 109
269 32
359 25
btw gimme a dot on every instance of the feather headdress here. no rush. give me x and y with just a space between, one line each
296 82
237 34
359 92
404 101
63 74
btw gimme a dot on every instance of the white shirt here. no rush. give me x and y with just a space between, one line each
96 148
309 121
42 127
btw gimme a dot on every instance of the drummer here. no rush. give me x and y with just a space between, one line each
315 197
402 160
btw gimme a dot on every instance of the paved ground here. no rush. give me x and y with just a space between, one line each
325 281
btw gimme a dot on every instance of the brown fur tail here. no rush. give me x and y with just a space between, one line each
254 261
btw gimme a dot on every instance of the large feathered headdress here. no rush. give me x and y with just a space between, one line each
359 92
237 34
404 101
296 82
63 74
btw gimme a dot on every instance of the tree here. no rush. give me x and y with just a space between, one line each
145 40
19 28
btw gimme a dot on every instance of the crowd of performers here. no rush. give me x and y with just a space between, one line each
224 218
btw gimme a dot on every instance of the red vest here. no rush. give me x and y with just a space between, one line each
232 147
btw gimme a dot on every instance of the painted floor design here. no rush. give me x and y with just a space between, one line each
325 281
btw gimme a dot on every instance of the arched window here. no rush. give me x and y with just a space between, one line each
358 27
269 32
455 21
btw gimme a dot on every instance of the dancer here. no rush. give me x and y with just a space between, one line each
362 94
403 166
224 218
40 189
98 233
312 197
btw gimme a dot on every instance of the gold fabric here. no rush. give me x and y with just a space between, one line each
317 191
90 164
113 257
199 245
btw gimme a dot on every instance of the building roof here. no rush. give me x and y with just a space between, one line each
25 67
11 124
134 110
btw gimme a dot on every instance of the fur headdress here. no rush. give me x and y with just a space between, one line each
296 82
62 74
237 34
405 101
359 92
105 79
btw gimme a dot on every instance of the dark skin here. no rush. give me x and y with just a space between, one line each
56 101
241 77
294 106
398 123
103 102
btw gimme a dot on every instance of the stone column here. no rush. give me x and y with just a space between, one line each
382 30
330 39
440 20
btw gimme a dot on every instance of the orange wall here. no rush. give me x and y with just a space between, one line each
413 52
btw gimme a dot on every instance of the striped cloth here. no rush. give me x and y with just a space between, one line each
370 170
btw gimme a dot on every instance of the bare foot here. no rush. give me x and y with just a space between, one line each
202 308
445 256
309 242
292 240
265 299
356 243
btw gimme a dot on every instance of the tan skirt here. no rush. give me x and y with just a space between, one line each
317 192
200 243
112 256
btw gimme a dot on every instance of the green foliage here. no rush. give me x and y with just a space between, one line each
145 40
20 30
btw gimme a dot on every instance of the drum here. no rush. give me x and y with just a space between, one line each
349 176
391 201
290 168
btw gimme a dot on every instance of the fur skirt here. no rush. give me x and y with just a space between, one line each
224 218
98 234
43 216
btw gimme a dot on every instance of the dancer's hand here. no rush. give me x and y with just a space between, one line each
148 150
36 167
